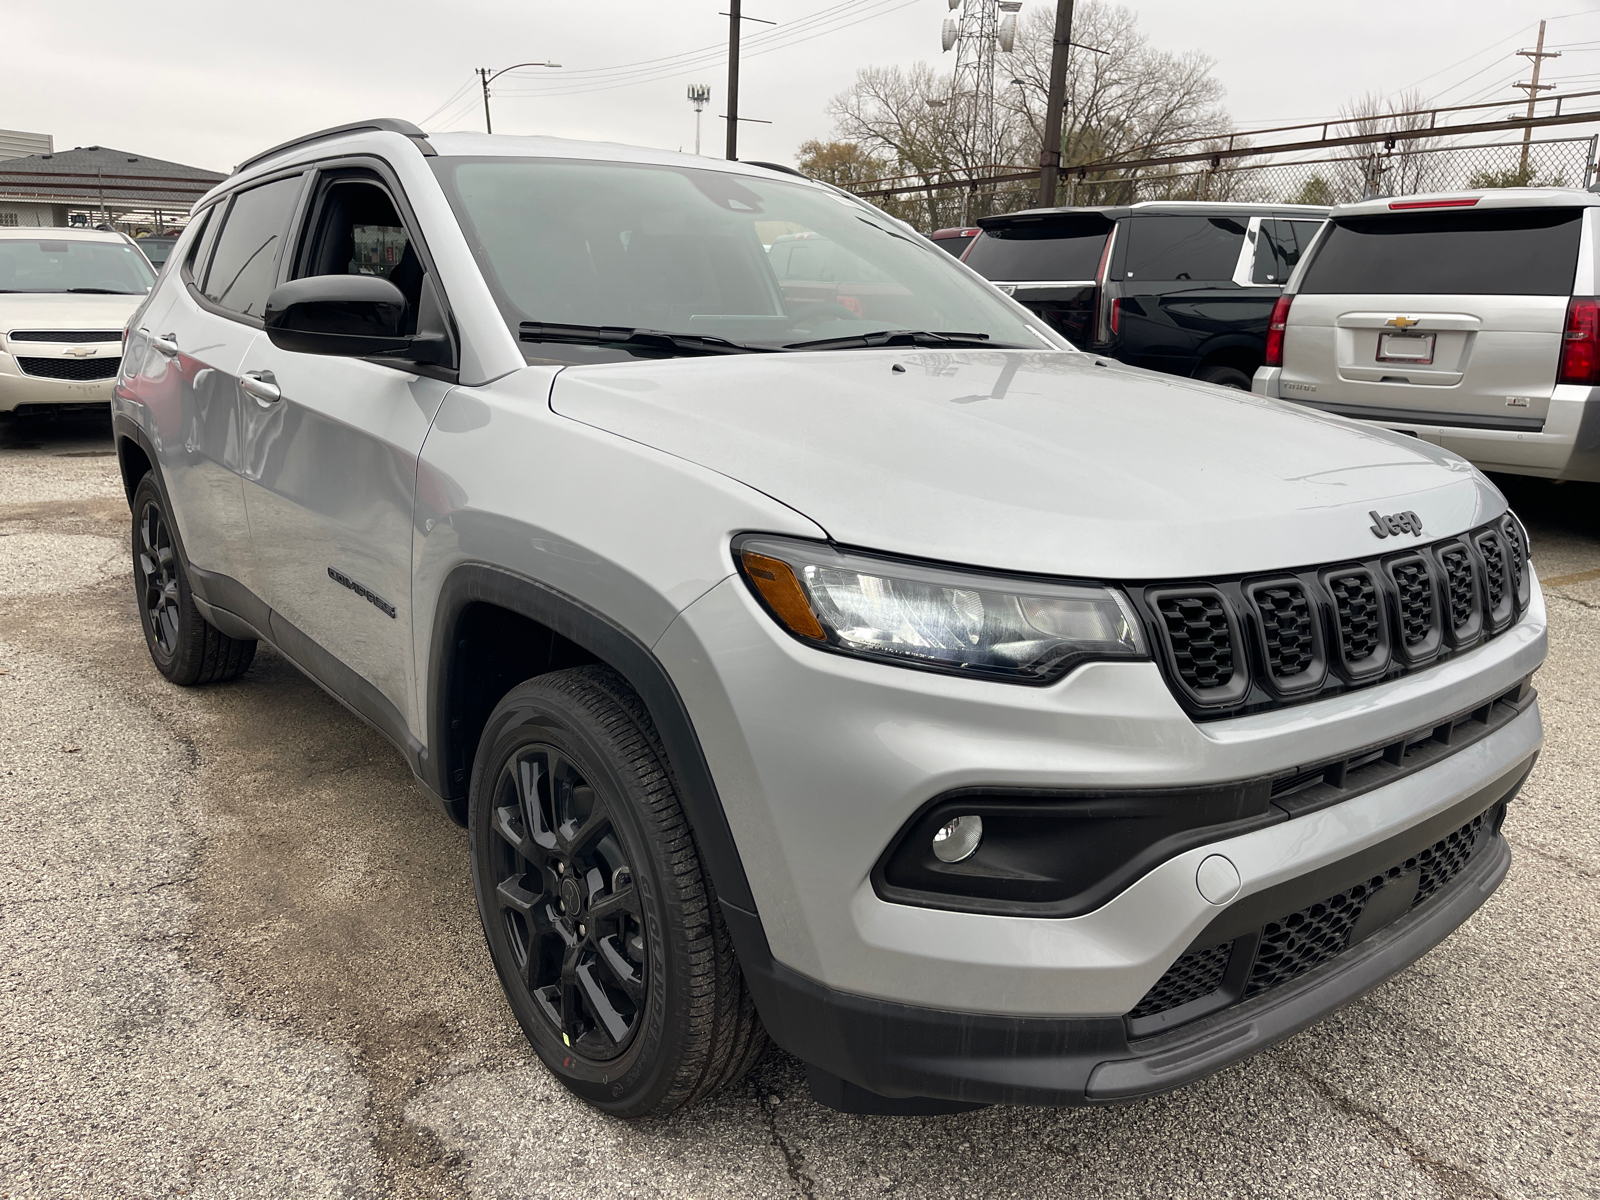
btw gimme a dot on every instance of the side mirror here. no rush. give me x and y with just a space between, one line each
353 316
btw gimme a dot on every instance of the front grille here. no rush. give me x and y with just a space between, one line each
1287 623
1300 941
1190 978
1234 646
1415 593
78 370
66 335
1202 642
1355 598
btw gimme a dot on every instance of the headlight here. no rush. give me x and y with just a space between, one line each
1024 631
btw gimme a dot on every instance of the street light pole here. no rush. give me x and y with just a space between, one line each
487 76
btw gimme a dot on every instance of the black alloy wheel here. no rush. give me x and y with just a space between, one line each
603 926
567 898
185 647
156 564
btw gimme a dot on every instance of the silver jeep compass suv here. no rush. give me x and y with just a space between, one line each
814 646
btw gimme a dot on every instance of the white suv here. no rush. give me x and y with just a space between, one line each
65 295
1469 321
835 656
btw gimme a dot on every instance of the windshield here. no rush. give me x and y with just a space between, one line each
761 263
41 265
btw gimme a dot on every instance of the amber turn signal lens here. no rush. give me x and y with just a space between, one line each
775 580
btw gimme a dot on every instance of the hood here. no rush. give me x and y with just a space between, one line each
1039 462
44 310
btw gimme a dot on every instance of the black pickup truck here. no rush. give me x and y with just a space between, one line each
1184 287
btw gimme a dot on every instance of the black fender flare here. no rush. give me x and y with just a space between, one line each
596 633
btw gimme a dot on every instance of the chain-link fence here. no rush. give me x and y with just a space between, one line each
1364 171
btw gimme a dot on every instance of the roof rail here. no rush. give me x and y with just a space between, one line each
376 125
750 162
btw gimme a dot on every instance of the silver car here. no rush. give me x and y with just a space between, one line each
835 657
1467 320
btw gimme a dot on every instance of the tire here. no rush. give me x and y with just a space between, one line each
1224 376
600 919
185 647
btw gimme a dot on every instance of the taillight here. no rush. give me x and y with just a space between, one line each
1275 327
1116 315
1580 343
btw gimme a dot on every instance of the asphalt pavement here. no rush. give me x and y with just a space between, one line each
239 958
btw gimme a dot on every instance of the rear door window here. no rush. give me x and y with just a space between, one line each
1495 252
1053 252
244 265
1279 247
1176 248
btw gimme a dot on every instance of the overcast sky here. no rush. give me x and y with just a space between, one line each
209 82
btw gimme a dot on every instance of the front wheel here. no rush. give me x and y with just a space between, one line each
602 924
185 647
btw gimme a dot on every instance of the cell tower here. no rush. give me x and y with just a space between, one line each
977 33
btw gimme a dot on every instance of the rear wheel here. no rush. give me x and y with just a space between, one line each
601 921
185 647
1224 376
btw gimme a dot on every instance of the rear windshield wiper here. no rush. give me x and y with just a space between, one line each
624 337
903 337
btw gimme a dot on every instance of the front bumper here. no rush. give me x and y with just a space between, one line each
19 390
1567 447
821 759
870 1056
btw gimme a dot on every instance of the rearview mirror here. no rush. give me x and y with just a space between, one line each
353 316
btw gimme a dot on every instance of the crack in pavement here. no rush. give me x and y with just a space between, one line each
1577 867
793 1160
1458 1183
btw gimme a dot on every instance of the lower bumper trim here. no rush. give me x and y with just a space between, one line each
867 1053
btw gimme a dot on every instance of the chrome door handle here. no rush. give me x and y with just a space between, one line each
261 385
166 344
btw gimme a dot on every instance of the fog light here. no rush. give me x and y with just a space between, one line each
957 839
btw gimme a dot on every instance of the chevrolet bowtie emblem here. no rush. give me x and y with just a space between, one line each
1401 322
82 351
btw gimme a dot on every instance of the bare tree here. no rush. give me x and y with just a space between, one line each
1397 167
1130 101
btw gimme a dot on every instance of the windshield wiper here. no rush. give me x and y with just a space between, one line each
97 292
624 337
903 337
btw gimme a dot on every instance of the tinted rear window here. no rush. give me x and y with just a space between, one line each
1170 248
1496 252
1055 251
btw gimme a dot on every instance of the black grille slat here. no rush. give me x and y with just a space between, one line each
1355 597
1494 569
1288 624
1415 594
1202 639
1518 555
1190 978
66 335
78 370
1459 588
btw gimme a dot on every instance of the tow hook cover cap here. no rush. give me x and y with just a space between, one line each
1217 879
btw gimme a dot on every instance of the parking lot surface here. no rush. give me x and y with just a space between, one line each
241 958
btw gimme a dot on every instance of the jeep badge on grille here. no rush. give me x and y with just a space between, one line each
1395 523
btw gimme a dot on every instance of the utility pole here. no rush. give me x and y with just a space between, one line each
733 81
1538 54
1055 103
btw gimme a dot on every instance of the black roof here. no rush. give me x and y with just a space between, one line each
80 177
